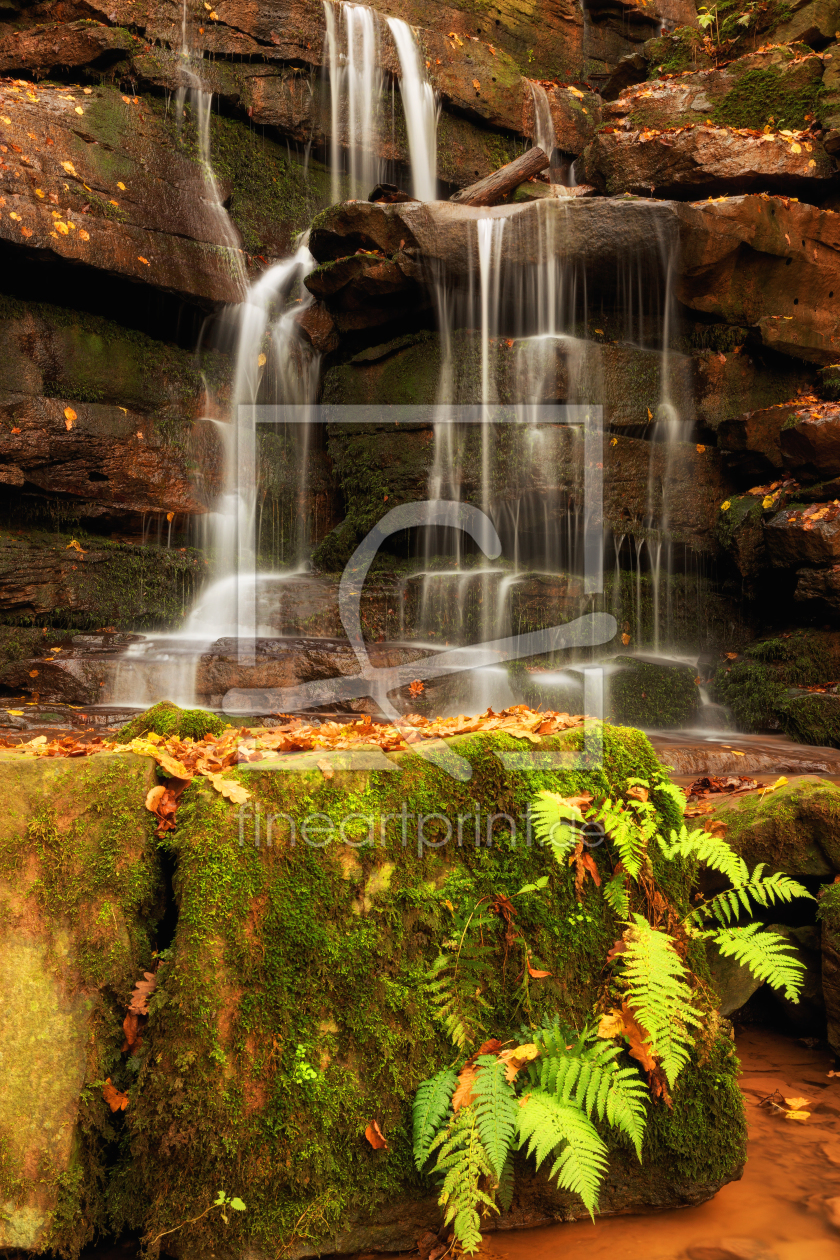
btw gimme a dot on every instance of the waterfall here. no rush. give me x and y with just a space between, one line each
420 107
192 88
352 63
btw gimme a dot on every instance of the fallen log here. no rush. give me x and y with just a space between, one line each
493 189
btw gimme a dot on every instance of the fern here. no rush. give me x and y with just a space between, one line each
504 1194
617 897
553 818
545 1123
495 1109
713 851
766 954
658 994
630 829
590 1075
455 983
431 1107
463 1162
764 889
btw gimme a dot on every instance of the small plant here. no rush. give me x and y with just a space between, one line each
223 1202
543 1095
302 1073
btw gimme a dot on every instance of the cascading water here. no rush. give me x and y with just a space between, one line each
352 64
420 107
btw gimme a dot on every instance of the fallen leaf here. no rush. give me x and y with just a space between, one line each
374 1134
325 767
799 1116
534 973
68 167
70 417
15 430
261 360
141 259
121 186
625 639
33 673
637 793
611 1025
476 84
75 546
79 109
116 1100
798 1104
463 1090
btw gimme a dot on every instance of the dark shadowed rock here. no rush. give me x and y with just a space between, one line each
821 584
810 536
811 438
759 432
65 45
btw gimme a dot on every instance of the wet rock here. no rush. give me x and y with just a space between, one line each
812 21
811 438
807 1017
740 531
65 45
821 584
734 983
793 537
768 262
831 980
630 70
56 1025
793 829
742 378
829 382
318 326
104 583
705 160
61 197
760 432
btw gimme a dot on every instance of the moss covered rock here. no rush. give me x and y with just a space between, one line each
79 894
168 719
764 686
292 1009
795 829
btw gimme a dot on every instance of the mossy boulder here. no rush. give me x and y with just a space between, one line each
794 829
292 1009
765 686
79 896
168 719
652 694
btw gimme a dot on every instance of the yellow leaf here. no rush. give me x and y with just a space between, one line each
700 449
15 712
61 227
68 167
83 235
798 1104
650 414
170 516
120 186
812 162
724 507
228 788
625 639
39 193
87 91
476 84
13 215
600 332
799 1116
611 1025
4 119
153 798
796 148
768 501
141 259
114 203
79 109
75 546
614 442
261 360
70 417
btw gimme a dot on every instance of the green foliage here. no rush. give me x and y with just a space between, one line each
495 1110
828 906
766 954
431 1105
166 719
455 984
553 817
760 95
659 994
590 1071
764 890
550 1126
463 1162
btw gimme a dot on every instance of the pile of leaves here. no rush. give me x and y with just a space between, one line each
808 517
183 759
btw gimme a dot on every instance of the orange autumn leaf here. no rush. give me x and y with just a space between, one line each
115 1099
325 767
376 1137
463 1090
70 417
141 259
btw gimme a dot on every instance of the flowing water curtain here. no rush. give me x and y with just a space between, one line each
353 65
421 109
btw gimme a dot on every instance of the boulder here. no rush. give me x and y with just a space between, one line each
810 439
799 536
759 432
794 829
812 21
80 892
821 584
742 376
699 161
336 1036
65 45
768 262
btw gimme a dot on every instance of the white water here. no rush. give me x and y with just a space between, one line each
421 110
352 62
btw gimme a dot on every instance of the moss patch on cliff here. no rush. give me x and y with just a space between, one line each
760 95
760 687
168 719
292 1009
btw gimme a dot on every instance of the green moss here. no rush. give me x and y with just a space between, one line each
744 513
167 719
828 909
289 955
758 687
760 95
650 695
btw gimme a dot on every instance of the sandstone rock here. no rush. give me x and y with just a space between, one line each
812 22
758 431
767 262
705 160
793 830
746 378
731 1249
59 1032
740 531
831 982
794 537
318 326
813 439
159 229
63 44
821 584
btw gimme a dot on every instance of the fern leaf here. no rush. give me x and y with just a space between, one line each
766 890
463 1162
546 1123
659 995
454 983
431 1107
713 851
504 1194
768 956
616 896
629 830
495 1109
552 817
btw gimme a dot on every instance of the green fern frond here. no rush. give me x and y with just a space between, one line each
616 896
589 1075
671 790
630 830
552 819
504 1194
767 955
713 851
659 995
463 1162
546 1123
431 1107
455 983
495 1109
766 890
